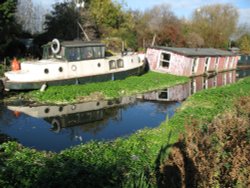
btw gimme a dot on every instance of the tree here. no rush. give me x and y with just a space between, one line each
62 22
30 16
244 44
8 27
112 21
164 26
194 40
215 24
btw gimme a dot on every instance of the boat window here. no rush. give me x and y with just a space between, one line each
120 63
195 65
98 51
47 52
112 64
84 53
163 94
73 54
165 60
207 64
87 52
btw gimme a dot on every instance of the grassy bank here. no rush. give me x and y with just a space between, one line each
107 90
217 156
122 162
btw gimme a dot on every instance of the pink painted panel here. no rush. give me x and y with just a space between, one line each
234 76
180 65
179 92
199 83
152 56
235 62
201 66
210 82
219 79
212 64
221 64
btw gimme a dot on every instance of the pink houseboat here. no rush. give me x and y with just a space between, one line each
190 61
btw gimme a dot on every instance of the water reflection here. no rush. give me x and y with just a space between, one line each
243 73
58 127
181 92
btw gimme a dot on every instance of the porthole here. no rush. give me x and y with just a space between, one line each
60 69
60 109
46 71
99 64
46 110
73 107
73 68
110 102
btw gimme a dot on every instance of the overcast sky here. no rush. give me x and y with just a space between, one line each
181 8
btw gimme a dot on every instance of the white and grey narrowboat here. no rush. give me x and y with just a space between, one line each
72 62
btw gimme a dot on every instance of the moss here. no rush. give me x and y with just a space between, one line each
107 90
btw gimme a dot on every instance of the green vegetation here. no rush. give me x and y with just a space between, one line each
1 70
217 156
107 90
123 162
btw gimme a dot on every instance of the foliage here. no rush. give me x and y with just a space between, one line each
244 44
161 22
2 69
215 23
217 156
112 164
61 23
8 27
30 16
116 23
111 89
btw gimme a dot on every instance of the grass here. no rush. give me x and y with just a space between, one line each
107 90
217 156
112 164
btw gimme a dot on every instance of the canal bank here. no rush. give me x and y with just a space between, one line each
122 161
105 90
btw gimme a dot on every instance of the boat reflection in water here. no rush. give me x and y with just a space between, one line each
74 114
181 92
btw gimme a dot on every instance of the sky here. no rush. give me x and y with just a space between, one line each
181 8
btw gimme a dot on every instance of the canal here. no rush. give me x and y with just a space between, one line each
54 128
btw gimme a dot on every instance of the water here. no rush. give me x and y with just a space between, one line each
58 127
55 128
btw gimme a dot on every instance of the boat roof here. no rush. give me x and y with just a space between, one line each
80 43
191 52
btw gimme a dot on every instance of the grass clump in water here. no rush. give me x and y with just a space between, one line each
107 90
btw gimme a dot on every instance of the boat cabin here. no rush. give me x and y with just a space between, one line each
190 61
74 50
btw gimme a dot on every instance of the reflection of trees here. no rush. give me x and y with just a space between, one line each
6 116
6 138
5 120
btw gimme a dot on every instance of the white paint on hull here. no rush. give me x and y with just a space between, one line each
59 70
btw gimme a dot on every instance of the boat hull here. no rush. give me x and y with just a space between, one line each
13 85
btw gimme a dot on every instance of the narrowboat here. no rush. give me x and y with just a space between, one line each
190 61
72 62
